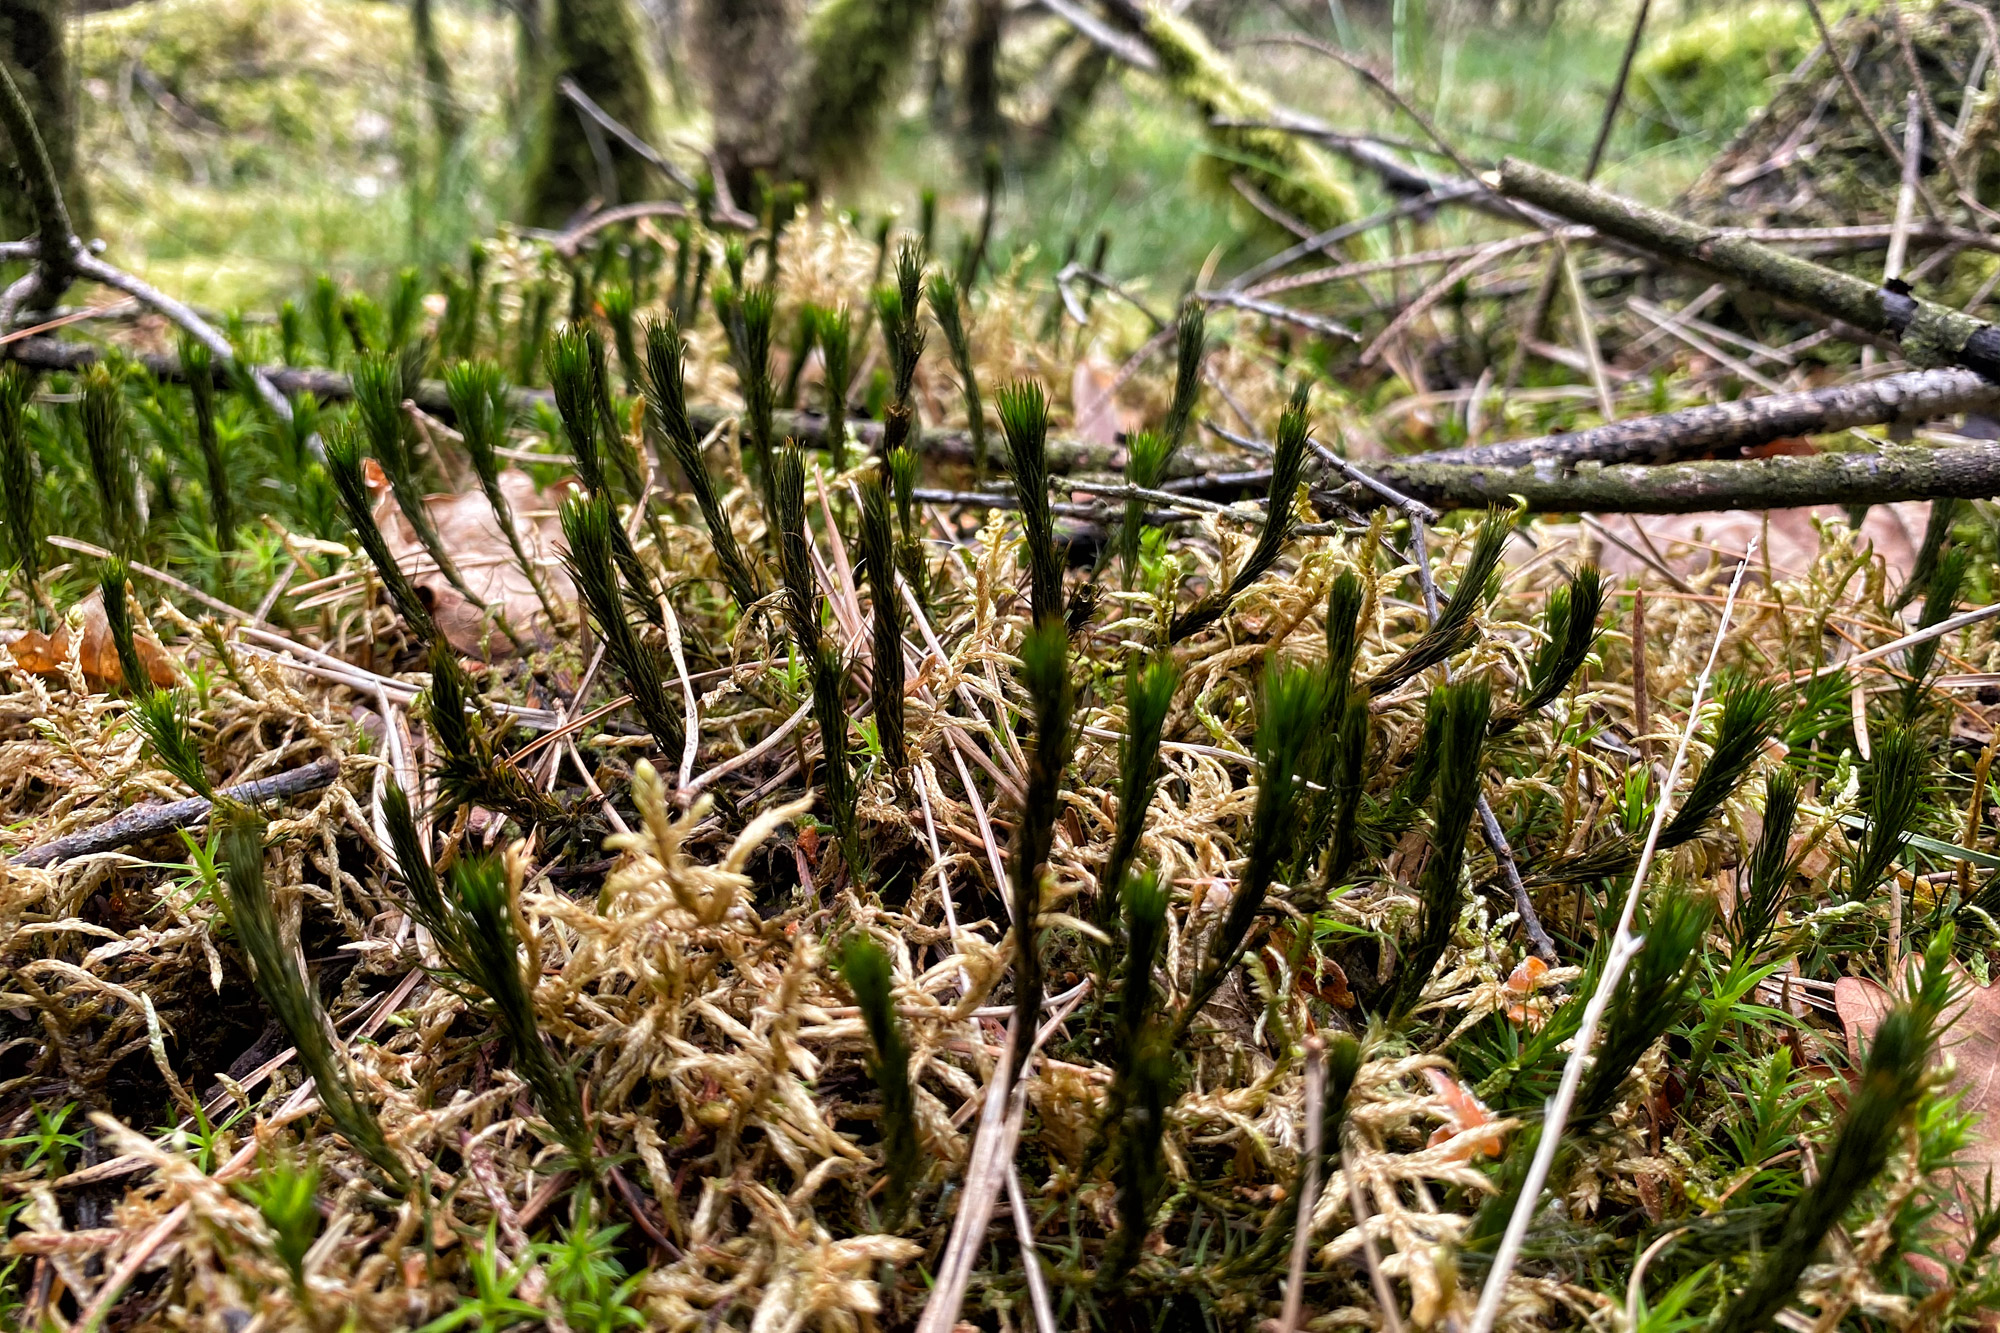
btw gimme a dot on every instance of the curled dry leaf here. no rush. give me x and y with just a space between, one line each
45 654
1522 983
1466 1112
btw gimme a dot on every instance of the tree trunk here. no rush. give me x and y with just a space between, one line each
747 52
859 54
31 42
445 117
595 42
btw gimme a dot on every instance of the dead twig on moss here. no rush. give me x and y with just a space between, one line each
150 821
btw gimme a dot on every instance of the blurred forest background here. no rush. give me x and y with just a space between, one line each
231 149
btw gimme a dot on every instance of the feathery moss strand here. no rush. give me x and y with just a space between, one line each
947 302
162 717
1045 673
574 381
18 480
1024 420
795 570
1880 1108
836 347
1768 877
477 391
133 675
1570 624
1942 589
587 526
1464 709
343 465
1190 349
288 994
829 678
1291 702
1748 715
1149 693
472 918
107 445
865 968
471 770
1896 783
198 365
1652 999
747 317
666 404
1287 466
1454 629
878 554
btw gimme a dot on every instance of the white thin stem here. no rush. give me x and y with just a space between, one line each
692 724
1295 1282
1624 946
1031 1263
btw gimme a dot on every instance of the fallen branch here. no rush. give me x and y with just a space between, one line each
1930 334
618 130
56 245
1907 399
149 821
1963 471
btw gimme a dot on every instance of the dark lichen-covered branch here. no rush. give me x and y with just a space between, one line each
1930 334
1963 471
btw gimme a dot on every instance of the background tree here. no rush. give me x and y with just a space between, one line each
31 42
747 52
596 43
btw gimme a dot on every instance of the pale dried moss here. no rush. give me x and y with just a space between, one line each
722 1058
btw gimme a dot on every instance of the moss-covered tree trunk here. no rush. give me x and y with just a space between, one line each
31 42
747 54
858 57
596 43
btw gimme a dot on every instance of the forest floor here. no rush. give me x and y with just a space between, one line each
1118 874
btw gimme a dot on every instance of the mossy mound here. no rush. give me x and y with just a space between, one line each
1692 78
1812 159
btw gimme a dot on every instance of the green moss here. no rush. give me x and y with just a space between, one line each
1293 174
1702 75
283 141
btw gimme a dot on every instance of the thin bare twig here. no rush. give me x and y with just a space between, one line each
1624 947
1295 1281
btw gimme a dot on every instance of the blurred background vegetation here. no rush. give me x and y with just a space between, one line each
231 149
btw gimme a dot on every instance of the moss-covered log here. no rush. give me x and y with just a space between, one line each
1289 171
1964 471
596 43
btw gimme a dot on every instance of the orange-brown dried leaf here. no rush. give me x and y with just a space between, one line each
46 654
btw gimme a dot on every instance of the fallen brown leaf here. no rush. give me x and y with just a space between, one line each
1791 542
471 536
1099 418
1971 1037
45 654
1467 1112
